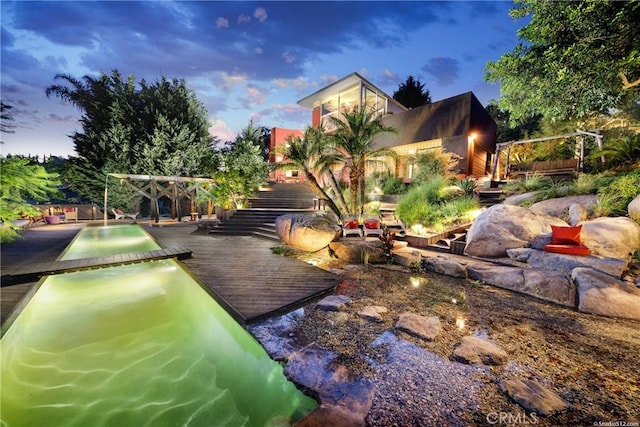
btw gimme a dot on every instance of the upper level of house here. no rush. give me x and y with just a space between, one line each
345 94
458 125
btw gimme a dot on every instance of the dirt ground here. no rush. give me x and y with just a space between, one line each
591 362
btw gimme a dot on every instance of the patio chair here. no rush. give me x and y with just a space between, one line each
350 226
120 214
372 227
70 213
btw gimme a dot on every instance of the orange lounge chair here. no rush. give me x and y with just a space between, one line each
372 227
350 227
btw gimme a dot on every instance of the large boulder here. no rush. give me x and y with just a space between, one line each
559 207
547 285
611 237
309 233
634 209
359 251
564 264
602 294
503 227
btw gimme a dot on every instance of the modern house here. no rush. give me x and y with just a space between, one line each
458 125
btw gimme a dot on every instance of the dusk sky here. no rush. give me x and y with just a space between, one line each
242 59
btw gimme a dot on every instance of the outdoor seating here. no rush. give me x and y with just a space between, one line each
372 227
120 214
70 213
566 240
351 227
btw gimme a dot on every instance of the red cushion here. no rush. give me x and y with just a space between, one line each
567 249
372 224
119 212
351 224
565 235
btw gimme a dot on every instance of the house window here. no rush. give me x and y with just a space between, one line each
292 173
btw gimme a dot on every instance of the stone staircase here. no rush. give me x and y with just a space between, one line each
271 202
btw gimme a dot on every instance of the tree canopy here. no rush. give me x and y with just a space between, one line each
575 59
240 167
157 129
353 138
412 93
20 181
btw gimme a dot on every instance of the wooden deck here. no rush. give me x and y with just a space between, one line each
243 275
34 272
240 272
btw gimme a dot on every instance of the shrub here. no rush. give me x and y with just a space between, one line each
432 205
392 185
614 198
531 183
585 184
622 148
467 185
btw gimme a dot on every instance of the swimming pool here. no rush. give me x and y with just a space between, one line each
137 345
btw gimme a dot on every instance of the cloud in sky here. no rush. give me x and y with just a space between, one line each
242 58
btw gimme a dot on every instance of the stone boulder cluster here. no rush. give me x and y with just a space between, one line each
505 249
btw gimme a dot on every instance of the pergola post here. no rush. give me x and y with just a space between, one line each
154 202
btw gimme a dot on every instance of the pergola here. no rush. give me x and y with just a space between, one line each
507 145
154 187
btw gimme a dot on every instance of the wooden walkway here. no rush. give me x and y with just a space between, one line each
243 275
34 272
240 272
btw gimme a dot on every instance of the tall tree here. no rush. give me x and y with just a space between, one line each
353 139
575 59
507 130
159 128
412 93
302 153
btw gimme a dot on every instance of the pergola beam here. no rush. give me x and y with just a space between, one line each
153 188
508 145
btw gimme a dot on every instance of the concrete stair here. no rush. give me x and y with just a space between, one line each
259 219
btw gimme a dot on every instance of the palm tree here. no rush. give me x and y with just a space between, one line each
353 138
303 153
326 158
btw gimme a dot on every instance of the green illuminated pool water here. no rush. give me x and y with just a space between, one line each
111 240
138 345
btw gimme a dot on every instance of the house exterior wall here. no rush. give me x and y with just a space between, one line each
461 124
278 140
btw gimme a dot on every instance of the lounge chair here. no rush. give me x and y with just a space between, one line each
120 214
70 213
350 226
372 227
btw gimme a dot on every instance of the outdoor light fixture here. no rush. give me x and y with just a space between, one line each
460 323
415 282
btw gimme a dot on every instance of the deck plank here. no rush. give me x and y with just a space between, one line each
244 275
34 272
